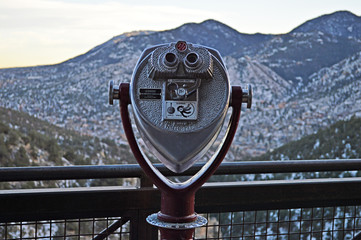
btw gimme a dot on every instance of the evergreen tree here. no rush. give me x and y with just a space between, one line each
4 153
21 158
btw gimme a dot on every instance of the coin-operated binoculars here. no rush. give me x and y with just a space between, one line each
180 94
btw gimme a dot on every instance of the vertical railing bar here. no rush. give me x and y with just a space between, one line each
311 222
343 222
354 222
207 225
231 229
266 223
358 217
255 223
333 221
243 213
21 230
322 230
219 226
145 181
299 237
6 231
65 229
107 233
79 229
289 222
50 222
93 228
133 226
120 231
278 223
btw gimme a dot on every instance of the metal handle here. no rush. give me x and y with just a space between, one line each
247 96
113 92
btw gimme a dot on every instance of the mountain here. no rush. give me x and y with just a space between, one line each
303 80
295 56
318 43
209 33
342 24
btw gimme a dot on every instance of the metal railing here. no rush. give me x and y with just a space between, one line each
320 208
93 228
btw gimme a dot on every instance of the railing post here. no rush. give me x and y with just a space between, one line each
139 227
145 181
147 231
133 225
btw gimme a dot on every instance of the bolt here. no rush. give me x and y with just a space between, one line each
247 96
113 92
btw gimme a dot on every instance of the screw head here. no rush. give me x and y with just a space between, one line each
247 96
113 92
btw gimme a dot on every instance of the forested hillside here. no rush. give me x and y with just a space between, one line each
28 141
341 140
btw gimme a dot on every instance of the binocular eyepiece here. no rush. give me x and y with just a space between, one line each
191 61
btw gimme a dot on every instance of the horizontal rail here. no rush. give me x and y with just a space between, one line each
134 170
44 204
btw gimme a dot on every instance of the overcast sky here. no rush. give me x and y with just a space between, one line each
34 32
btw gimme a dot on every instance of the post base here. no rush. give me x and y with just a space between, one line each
176 231
153 220
170 230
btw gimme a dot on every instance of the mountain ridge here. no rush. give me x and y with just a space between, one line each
212 25
340 23
73 94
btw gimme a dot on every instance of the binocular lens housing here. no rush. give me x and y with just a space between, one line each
192 60
170 59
